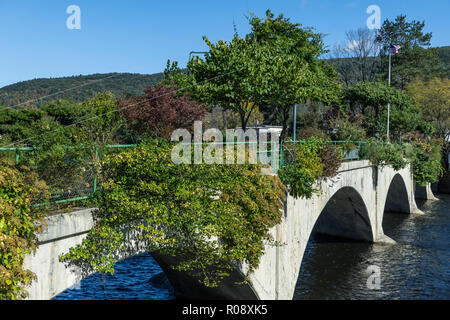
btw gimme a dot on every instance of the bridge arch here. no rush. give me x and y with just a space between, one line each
397 199
345 215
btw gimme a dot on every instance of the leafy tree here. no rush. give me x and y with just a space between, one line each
18 124
413 60
433 98
159 111
101 118
372 98
295 72
64 111
232 76
275 65
306 162
426 162
347 130
179 78
224 119
63 135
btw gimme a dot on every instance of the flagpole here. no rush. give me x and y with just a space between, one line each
389 105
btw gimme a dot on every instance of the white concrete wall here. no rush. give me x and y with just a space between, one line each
63 232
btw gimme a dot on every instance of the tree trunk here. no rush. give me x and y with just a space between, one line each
285 119
243 122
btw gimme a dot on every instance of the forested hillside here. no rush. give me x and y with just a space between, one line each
77 88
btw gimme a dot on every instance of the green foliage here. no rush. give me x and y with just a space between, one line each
347 68
309 132
18 124
424 158
212 215
64 135
348 131
443 54
223 119
305 164
291 63
277 64
64 111
310 114
331 158
372 98
18 224
426 162
384 154
433 99
101 119
403 118
232 76
179 78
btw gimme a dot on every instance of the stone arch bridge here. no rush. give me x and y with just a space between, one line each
350 205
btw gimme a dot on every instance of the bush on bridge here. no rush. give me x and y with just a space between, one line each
383 154
213 216
426 162
423 157
18 189
309 161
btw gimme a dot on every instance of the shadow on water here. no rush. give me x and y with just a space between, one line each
329 266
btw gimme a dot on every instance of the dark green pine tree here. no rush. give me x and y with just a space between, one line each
415 58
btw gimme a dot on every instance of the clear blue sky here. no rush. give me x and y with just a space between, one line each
139 36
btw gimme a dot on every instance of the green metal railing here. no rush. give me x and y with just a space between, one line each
17 155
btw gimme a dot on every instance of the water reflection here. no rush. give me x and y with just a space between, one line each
137 278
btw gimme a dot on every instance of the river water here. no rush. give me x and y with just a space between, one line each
417 267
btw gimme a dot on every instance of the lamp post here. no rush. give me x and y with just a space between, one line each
393 49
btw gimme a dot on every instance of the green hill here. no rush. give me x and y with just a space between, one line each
77 88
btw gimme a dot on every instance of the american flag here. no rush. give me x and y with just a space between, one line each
394 49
